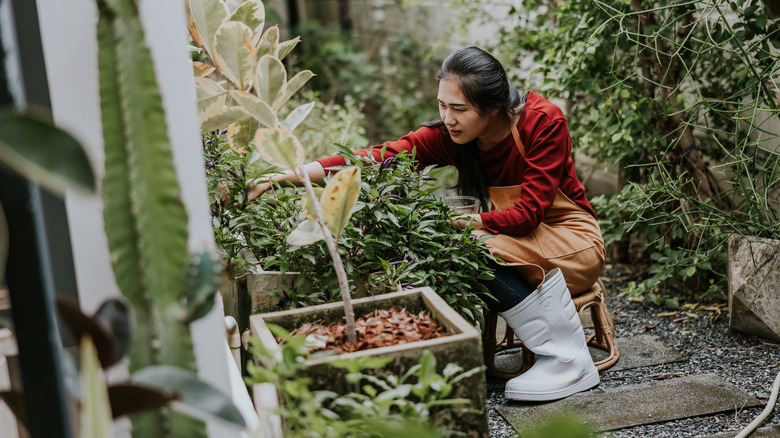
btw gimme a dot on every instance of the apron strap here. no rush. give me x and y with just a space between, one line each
516 135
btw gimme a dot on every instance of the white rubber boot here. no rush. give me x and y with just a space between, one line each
548 324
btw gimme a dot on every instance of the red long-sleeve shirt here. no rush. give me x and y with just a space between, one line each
547 166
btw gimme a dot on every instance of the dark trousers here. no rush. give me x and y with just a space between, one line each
508 288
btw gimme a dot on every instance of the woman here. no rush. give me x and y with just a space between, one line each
515 151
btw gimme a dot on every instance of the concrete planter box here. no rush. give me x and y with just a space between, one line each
462 346
754 279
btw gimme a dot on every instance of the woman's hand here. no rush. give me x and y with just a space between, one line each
460 222
262 185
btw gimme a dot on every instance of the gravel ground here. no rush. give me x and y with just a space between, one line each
704 338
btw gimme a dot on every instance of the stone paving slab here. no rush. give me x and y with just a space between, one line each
635 352
761 432
632 405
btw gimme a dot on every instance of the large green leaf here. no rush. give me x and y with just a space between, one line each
252 14
296 116
43 153
270 79
206 16
204 277
222 117
257 108
191 391
211 97
280 148
234 53
292 87
96 420
339 199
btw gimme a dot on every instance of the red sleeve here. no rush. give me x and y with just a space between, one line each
544 166
432 148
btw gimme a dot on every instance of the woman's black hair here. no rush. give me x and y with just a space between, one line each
484 83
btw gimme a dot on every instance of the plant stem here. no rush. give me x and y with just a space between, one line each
338 265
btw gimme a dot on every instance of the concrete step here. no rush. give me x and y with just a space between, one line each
633 405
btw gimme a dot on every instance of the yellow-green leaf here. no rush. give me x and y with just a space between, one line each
252 14
280 148
339 199
296 116
222 117
292 87
306 233
306 204
286 47
205 18
270 79
268 43
211 97
257 108
201 69
234 53
240 134
96 419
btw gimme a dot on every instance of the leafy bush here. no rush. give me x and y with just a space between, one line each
399 237
395 89
666 92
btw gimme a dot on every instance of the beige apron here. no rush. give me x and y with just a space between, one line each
568 238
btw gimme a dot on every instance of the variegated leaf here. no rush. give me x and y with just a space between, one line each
268 43
306 233
96 419
339 199
286 47
292 87
306 204
234 53
240 134
256 107
296 116
221 118
280 148
206 16
200 69
270 79
252 14
211 97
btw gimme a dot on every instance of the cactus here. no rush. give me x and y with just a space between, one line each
145 219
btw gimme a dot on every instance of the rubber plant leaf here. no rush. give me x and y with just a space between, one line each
307 206
268 43
234 53
256 107
280 148
205 18
240 134
200 69
222 117
211 97
252 14
96 419
306 233
291 87
40 152
339 199
82 325
191 391
286 47
270 79
296 116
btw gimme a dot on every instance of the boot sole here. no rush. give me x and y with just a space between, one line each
583 384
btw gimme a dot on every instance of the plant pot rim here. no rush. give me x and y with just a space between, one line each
456 326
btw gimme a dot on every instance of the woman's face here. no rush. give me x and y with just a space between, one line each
460 116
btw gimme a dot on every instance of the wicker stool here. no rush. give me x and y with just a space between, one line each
603 337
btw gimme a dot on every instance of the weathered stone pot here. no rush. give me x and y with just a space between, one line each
462 346
248 295
754 279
